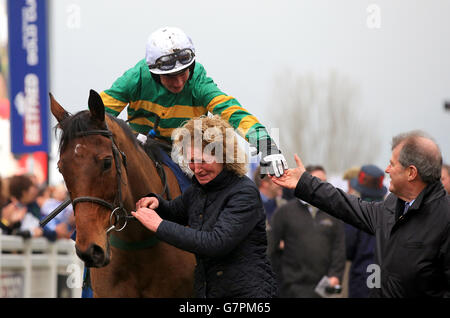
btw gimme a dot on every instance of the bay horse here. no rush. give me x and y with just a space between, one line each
106 172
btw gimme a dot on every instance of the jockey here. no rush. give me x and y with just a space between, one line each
171 84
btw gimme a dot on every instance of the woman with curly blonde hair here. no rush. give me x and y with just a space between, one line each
220 218
216 138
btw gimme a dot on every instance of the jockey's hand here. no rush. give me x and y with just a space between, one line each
272 160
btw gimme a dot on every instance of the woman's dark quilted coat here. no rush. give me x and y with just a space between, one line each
226 232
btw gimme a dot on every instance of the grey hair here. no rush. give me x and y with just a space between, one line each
413 152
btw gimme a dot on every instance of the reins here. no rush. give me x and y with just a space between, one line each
159 166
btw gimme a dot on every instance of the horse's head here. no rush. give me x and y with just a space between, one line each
90 166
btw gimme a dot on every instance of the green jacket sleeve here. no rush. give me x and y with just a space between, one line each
228 108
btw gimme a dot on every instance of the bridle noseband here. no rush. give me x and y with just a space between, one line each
117 209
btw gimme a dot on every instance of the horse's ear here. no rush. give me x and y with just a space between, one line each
96 106
57 110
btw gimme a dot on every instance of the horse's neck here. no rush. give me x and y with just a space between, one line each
143 177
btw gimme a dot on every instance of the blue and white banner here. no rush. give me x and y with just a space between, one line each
27 30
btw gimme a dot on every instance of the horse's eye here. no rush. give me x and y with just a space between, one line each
107 162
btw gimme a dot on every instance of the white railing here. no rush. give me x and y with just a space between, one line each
39 268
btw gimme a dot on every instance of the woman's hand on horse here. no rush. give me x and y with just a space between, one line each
148 217
148 202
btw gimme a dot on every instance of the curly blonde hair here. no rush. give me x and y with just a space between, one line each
213 134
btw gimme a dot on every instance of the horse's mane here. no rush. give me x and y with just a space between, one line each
80 122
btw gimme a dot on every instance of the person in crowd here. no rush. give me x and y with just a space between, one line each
220 217
2 195
62 226
11 213
350 174
33 206
445 177
312 245
360 245
23 193
271 195
411 226
171 84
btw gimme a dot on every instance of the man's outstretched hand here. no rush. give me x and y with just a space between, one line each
291 176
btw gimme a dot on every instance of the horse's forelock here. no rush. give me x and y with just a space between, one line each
71 125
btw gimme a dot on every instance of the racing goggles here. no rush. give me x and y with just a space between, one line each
168 62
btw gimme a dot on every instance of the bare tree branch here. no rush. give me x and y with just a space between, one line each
320 120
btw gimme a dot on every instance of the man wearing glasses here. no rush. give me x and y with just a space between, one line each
171 84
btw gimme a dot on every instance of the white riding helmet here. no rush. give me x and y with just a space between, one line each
169 50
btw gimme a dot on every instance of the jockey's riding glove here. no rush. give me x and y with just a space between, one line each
272 160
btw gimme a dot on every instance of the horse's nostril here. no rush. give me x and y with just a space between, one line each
97 253
94 256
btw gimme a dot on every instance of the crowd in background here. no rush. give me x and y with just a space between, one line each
304 244
24 203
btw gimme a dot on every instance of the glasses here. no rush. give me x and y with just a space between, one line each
168 62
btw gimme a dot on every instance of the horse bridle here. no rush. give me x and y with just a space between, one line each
117 208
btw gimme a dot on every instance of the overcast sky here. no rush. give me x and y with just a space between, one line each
397 53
